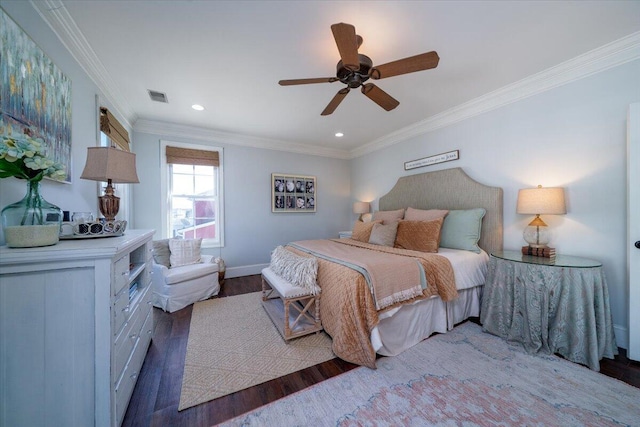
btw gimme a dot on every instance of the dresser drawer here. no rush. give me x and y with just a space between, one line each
121 274
120 311
126 340
124 388
125 385
147 330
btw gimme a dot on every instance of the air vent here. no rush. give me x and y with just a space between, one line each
158 96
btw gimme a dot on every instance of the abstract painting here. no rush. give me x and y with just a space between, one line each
35 96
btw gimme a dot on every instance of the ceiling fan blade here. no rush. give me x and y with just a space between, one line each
347 42
379 96
307 81
411 64
335 101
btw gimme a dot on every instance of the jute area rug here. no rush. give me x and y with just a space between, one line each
233 345
462 378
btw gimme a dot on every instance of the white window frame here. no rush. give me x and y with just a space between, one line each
164 190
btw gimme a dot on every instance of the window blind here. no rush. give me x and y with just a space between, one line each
113 129
188 156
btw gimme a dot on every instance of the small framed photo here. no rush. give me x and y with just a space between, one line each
293 193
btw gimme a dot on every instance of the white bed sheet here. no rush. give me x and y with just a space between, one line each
403 327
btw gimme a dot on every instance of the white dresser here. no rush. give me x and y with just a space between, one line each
75 326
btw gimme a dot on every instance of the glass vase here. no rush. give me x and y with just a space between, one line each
32 221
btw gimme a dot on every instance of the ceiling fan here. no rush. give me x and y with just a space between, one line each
354 69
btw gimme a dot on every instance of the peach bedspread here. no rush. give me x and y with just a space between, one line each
347 307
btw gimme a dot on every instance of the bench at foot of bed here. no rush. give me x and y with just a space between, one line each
292 309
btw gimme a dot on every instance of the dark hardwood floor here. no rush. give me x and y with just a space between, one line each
157 393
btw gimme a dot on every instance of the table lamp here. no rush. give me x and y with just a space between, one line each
361 208
540 201
108 164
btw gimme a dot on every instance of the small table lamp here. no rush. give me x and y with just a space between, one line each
111 165
540 201
361 208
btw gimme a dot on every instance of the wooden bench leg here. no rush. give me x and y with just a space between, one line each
307 312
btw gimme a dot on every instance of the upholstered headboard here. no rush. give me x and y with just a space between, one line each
450 189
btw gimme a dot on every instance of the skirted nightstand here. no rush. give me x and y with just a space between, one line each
556 305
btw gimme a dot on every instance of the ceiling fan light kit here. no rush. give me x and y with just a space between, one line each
354 69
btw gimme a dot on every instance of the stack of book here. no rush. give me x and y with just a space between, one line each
545 252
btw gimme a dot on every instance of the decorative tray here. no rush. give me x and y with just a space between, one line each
92 230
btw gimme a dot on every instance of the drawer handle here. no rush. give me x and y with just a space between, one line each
133 336
149 332
134 376
126 309
149 302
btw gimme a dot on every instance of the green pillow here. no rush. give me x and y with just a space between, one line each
461 229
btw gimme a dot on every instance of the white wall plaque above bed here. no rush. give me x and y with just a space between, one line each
432 160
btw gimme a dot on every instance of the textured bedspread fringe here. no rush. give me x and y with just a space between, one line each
380 288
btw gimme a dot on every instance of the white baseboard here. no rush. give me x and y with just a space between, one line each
245 270
622 336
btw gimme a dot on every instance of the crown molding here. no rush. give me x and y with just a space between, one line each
619 52
611 55
164 129
57 17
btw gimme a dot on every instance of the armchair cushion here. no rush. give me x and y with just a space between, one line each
183 273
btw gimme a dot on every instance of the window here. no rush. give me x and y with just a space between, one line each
193 185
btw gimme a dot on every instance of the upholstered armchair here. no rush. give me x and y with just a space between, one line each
181 275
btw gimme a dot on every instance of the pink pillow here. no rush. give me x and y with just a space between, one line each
424 215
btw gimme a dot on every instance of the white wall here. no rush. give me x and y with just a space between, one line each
252 231
573 136
80 195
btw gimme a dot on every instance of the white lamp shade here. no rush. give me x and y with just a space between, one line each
361 207
541 201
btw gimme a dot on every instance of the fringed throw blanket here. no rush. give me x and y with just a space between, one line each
391 278
348 308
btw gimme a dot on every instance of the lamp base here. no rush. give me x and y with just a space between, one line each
537 236
109 203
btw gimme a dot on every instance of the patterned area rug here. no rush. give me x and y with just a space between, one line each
234 345
465 377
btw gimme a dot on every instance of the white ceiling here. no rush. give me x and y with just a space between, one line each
229 56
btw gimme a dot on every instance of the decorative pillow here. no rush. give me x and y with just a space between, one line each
295 269
184 252
462 228
424 215
161 252
384 235
362 230
423 236
388 217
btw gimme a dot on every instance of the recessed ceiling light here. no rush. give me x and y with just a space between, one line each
339 134
197 107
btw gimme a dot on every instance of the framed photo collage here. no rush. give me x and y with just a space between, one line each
293 193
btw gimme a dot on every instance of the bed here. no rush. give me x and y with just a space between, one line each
352 315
